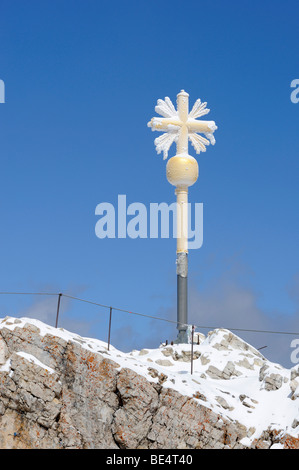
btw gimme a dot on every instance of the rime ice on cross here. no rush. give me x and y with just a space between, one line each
180 125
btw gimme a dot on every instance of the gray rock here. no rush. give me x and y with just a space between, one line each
66 396
164 362
270 381
222 402
228 372
295 372
3 352
143 352
167 351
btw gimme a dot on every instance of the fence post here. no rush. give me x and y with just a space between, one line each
192 339
58 307
109 330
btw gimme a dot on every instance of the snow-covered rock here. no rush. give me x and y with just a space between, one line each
58 389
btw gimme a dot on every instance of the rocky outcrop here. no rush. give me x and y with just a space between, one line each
60 391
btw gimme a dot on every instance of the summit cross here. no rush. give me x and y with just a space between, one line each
179 125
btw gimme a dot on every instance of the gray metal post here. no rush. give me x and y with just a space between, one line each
192 339
182 297
58 308
109 330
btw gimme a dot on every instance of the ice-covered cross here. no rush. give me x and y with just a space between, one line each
179 125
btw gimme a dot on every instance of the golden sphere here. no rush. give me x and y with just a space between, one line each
182 170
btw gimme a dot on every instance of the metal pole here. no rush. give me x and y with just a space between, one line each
58 307
182 263
109 330
192 338
182 297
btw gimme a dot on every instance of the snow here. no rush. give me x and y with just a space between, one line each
34 360
6 367
277 446
238 396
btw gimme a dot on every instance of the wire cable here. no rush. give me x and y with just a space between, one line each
150 316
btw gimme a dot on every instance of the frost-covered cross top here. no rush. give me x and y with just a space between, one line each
179 125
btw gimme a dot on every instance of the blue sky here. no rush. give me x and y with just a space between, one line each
81 81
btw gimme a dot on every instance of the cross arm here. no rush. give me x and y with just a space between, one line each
204 127
164 124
